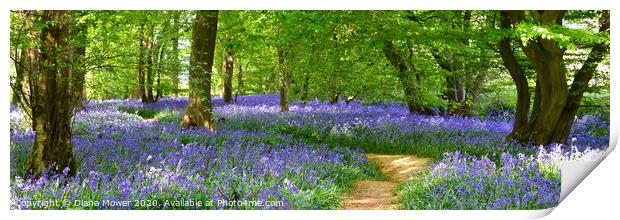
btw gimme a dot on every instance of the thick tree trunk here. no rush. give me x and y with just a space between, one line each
53 95
554 105
520 126
199 109
580 83
228 68
283 89
548 60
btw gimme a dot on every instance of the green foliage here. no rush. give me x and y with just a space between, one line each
144 113
168 116
331 55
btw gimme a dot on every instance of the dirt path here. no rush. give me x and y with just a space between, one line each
380 194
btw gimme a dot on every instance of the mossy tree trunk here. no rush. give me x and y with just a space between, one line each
407 78
555 103
55 92
520 125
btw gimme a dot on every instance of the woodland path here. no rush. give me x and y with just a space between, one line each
380 194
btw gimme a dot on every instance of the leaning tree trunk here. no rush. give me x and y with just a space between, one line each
228 68
199 110
580 83
406 77
548 60
283 89
520 126
53 95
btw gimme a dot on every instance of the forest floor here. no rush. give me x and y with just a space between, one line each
380 194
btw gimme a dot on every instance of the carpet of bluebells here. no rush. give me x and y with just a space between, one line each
302 159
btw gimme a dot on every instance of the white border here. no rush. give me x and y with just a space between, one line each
310 4
595 197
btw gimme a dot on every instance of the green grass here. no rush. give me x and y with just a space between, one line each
144 113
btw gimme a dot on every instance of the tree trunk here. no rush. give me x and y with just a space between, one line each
580 83
176 69
149 65
199 109
406 77
334 97
228 68
160 69
20 72
304 88
53 95
548 60
283 89
141 72
240 86
520 126
554 105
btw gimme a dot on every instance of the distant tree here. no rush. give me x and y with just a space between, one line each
142 64
240 88
176 65
199 112
228 69
283 79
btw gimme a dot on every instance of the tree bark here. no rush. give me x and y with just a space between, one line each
406 77
240 86
555 106
520 125
160 70
580 83
283 78
150 65
141 72
20 75
176 67
305 87
53 95
199 109
228 68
